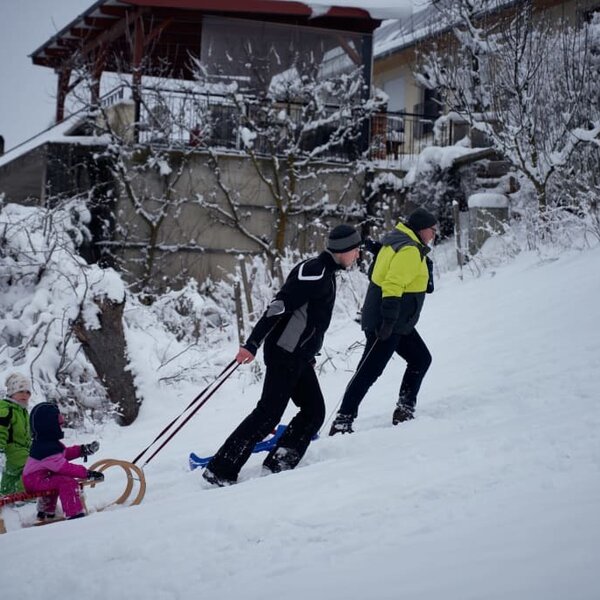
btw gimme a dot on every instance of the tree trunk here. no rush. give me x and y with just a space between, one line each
105 348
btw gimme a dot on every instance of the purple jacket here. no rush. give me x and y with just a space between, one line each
57 464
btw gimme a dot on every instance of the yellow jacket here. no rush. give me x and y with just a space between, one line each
398 282
400 266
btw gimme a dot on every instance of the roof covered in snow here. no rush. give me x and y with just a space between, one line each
105 20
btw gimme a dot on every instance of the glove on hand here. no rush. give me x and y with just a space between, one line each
95 476
87 449
372 246
430 285
385 330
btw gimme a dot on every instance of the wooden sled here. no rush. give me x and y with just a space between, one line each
134 474
135 481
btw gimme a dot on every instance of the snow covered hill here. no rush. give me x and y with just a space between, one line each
490 493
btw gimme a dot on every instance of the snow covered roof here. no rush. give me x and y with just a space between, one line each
424 22
60 133
398 34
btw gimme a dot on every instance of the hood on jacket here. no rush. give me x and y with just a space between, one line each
46 432
45 423
401 236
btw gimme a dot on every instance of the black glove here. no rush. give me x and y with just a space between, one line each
87 449
372 246
385 330
430 286
95 476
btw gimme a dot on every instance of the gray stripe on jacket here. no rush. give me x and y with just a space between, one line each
290 337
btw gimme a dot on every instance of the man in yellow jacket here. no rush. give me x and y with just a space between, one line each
400 279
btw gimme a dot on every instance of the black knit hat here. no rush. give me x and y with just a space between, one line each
343 238
420 219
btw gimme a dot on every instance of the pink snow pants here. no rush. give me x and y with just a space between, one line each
66 488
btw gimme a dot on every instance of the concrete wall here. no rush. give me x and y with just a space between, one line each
23 179
206 246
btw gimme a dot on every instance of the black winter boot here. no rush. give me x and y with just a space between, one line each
281 459
342 424
45 516
213 479
402 413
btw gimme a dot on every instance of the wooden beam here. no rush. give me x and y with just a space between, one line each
113 11
56 52
99 22
61 93
351 52
82 32
136 69
156 31
240 6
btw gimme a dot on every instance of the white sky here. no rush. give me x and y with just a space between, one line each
27 92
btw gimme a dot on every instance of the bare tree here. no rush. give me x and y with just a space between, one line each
532 89
302 145
300 137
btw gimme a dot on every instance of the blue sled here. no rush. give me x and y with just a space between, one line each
264 446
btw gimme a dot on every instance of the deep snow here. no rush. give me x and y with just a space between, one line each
490 493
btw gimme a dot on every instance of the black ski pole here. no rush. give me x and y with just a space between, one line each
198 397
360 365
196 409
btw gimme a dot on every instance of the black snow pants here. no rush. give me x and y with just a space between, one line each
285 378
376 356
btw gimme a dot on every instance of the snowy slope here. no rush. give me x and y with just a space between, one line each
491 493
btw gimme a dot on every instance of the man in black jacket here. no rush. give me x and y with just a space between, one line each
292 327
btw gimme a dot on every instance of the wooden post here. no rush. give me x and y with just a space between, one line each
247 288
239 311
136 80
99 63
64 76
458 237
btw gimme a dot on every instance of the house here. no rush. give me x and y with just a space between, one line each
395 54
128 70
486 178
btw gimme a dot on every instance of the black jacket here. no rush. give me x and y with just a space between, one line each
294 324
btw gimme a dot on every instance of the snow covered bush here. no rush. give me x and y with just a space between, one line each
45 287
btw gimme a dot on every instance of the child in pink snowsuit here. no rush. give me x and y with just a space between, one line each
48 466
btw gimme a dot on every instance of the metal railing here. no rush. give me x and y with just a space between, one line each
185 118
394 134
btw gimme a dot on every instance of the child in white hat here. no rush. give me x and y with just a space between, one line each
15 437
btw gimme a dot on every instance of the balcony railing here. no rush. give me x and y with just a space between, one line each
184 118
